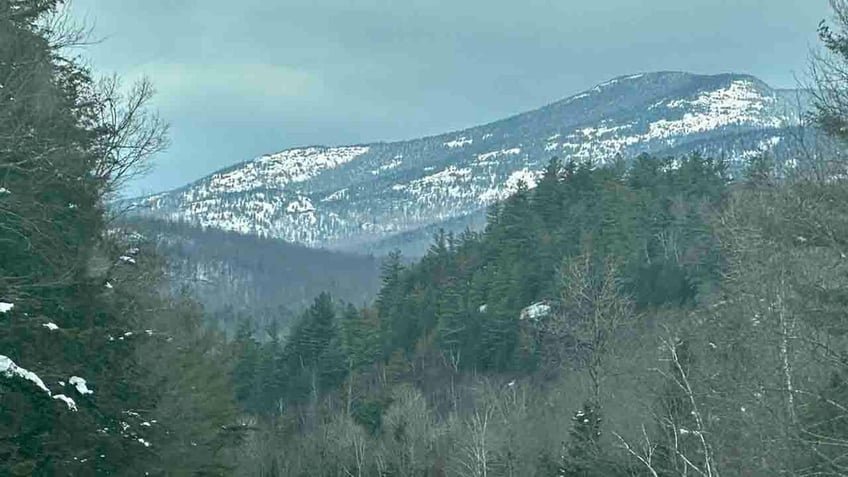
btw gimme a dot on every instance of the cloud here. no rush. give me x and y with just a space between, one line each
181 85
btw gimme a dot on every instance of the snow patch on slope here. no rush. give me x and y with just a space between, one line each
459 142
72 405
80 384
499 192
280 169
300 206
481 158
449 181
738 104
387 167
9 369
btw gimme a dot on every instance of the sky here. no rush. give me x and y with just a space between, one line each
236 80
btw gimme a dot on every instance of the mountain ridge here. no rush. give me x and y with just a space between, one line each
352 197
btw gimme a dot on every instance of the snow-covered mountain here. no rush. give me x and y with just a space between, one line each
358 197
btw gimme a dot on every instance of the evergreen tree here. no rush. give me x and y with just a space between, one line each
584 456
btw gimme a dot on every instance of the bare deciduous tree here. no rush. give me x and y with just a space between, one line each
592 310
130 132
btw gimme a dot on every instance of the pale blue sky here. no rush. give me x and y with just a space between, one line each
237 79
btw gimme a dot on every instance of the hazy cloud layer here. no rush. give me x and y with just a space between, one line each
238 79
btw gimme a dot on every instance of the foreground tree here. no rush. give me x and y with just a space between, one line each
87 344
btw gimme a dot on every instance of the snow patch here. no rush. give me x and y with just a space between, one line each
80 384
387 167
503 152
72 405
11 370
50 326
592 133
578 97
535 311
6 307
278 170
337 195
300 206
739 103
529 177
459 142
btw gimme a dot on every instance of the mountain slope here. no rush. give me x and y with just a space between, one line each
356 197
268 281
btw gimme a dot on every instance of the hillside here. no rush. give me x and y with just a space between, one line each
656 319
365 196
265 280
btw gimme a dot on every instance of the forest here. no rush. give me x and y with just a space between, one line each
658 316
240 277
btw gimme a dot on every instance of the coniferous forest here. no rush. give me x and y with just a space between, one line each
657 316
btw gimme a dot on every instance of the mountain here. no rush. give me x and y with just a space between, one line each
373 196
268 281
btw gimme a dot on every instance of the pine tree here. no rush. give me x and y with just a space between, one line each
583 454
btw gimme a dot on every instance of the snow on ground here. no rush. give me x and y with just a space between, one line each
503 152
530 178
50 326
593 133
388 166
578 97
500 192
80 384
72 405
459 142
278 170
450 182
11 370
739 103
535 311
6 307
340 194
300 206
